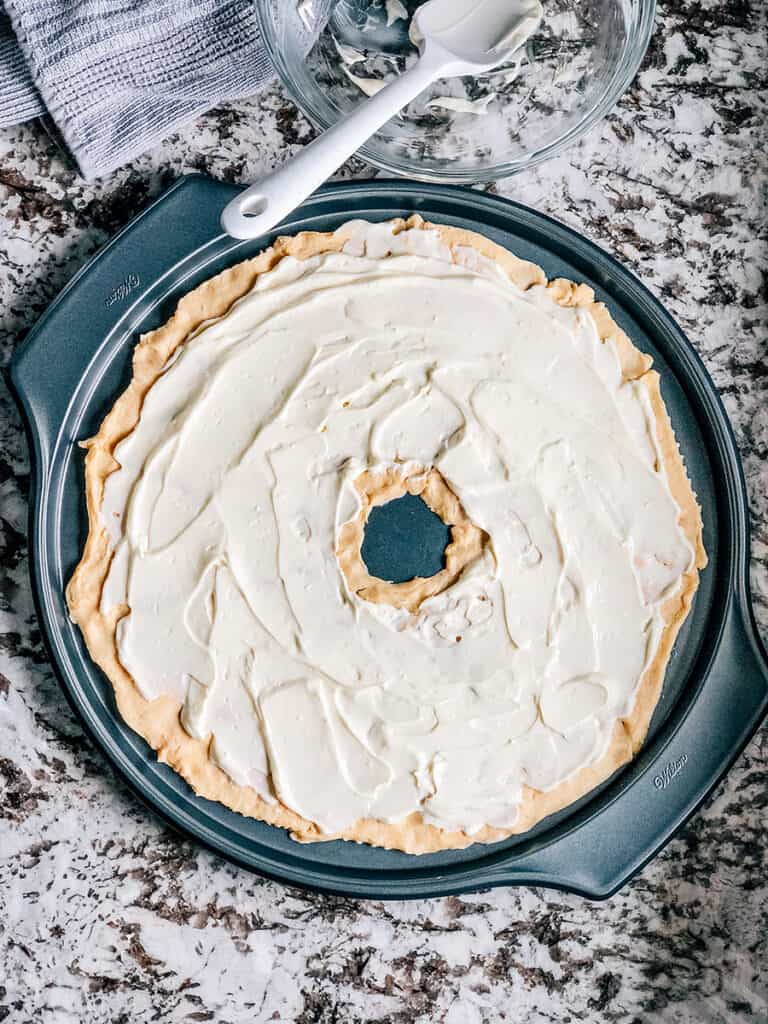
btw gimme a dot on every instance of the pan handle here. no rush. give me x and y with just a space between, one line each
627 833
108 294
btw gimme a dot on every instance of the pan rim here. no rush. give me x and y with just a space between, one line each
424 880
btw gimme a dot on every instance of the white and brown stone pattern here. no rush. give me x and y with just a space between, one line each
105 916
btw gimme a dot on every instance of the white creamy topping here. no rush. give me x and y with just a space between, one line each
463 106
395 11
348 53
226 509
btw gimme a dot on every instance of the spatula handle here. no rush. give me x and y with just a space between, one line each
254 212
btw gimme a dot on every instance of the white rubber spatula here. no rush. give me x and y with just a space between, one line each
460 37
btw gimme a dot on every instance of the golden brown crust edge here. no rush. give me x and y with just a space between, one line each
466 546
158 721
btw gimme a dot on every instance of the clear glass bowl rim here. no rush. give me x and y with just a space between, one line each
623 74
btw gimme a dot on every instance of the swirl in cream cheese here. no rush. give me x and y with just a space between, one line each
232 489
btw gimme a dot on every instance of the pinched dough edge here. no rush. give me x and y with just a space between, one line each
158 722
374 488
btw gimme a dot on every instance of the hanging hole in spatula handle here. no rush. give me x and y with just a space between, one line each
239 214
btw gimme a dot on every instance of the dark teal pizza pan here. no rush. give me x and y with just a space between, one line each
77 360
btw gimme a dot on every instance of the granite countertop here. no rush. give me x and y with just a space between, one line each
106 916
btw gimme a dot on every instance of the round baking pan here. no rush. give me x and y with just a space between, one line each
77 359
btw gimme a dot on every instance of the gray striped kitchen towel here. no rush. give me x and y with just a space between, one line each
117 76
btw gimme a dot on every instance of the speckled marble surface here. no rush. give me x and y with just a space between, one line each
105 916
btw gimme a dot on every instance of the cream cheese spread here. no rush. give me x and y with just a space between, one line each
462 106
519 20
226 508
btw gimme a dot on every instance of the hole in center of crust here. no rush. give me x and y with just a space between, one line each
404 539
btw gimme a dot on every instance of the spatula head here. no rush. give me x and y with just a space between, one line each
482 33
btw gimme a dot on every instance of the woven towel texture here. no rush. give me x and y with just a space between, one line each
117 76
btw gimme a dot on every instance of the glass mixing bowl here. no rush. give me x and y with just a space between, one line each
329 53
